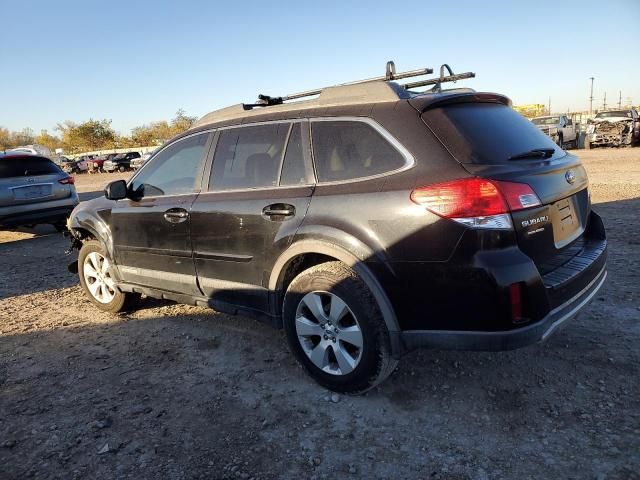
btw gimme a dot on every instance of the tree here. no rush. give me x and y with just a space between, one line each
182 122
23 137
5 139
90 135
154 133
49 141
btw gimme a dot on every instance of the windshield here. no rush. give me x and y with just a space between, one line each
487 133
546 121
618 113
119 156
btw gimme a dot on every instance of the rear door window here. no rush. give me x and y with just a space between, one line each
486 133
346 150
248 157
26 166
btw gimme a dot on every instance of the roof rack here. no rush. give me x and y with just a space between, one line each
437 82
390 75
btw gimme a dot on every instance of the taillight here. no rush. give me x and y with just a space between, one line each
518 195
67 181
476 202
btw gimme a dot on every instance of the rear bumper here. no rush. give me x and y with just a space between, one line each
408 340
49 212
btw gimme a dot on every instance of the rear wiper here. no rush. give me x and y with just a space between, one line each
535 153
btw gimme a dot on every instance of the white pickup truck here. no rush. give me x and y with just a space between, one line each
561 128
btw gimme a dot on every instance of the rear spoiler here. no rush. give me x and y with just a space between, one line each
427 101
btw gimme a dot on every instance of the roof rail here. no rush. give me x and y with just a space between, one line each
377 89
390 74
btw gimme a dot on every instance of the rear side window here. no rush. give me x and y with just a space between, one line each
26 166
173 171
345 150
248 157
486 133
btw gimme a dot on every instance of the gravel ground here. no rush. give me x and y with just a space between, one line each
180 392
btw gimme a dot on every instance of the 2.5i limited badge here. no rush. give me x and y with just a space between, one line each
535 221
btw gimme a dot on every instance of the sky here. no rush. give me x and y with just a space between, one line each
139 61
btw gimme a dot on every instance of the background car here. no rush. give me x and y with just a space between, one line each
97 163
614 128
121 162
34 190
136 163
77 165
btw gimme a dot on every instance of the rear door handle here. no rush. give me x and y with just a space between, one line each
176 215
279 210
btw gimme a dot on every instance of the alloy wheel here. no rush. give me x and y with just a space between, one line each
98 278
329 332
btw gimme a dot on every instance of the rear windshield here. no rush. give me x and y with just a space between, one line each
26 166
546 121
486 133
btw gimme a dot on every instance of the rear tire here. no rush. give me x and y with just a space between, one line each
335 329
94 270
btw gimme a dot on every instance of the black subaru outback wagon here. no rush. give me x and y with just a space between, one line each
367 222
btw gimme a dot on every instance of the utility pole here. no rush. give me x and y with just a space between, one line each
604 102
591 98
620 100
549 105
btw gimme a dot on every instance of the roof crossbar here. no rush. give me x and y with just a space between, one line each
442 79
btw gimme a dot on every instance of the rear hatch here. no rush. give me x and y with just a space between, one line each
30 179
491 140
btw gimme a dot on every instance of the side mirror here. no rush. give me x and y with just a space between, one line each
116 190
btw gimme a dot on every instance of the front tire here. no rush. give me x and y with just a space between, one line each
335 329
122 168
94 269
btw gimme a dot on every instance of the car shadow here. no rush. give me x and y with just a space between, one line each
202 387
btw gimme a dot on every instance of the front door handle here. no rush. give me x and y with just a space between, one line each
176 215
279 210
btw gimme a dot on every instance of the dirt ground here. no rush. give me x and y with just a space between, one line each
179 392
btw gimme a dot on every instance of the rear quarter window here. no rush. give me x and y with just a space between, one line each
486 133
347 150
26 166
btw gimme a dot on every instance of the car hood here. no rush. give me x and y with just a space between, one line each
95 204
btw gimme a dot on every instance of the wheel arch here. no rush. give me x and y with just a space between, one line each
83 225
306 253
